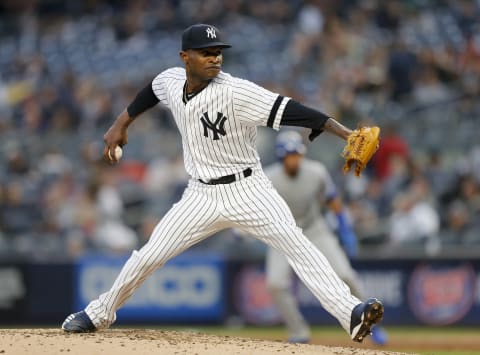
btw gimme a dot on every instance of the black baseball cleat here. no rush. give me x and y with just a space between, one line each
78 323
364 317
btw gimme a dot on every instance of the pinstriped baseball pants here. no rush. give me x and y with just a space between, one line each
252 205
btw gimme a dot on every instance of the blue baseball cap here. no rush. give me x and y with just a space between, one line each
289 142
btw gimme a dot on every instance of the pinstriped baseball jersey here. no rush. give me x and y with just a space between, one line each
218 125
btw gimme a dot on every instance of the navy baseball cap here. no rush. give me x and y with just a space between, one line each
202 36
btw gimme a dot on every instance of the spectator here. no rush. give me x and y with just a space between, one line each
392 146
437 174
429 89
401 67
414 221
461 230
110 234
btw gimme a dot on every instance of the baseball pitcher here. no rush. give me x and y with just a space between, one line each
217 115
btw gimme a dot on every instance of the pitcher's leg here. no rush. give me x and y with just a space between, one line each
188 222
314 270
329 245
268 218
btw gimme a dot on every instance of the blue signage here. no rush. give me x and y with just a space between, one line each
189 287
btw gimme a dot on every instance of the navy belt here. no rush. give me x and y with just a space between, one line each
228 179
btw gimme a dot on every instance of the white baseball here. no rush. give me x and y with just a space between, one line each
117 153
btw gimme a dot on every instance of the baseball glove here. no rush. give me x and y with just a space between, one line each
362 143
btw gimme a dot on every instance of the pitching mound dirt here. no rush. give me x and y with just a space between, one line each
119 342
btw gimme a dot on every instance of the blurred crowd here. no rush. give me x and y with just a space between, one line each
68 68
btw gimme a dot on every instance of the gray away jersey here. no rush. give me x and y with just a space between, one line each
304 193
219 125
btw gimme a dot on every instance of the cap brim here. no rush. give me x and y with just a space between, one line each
211 44
297 150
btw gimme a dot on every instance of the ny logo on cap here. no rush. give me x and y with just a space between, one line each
211 32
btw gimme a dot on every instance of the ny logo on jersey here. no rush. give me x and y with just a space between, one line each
217 127
211 32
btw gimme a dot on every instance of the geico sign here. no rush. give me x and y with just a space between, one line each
172 286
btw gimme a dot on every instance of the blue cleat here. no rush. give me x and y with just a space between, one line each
379 336
298 340
364 317
78 323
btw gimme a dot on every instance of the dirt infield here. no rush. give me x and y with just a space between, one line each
119 342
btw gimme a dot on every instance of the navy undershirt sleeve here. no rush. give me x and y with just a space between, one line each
144 100
296 114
